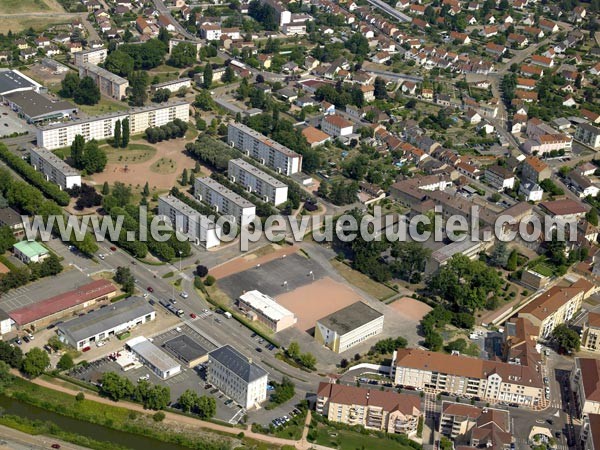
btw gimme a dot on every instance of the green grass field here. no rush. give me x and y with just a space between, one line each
352 440
104 106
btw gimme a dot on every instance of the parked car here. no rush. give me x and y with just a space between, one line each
26 339
150 289
193 316
259 350
184 294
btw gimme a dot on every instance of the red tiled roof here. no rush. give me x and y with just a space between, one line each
61 302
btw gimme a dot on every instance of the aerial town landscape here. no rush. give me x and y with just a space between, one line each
319 224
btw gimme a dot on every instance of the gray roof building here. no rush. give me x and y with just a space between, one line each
187 350
10 217
104 319
37 107
161 363
238 363
350 318
13 80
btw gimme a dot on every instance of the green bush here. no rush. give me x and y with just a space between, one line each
209 280
158 416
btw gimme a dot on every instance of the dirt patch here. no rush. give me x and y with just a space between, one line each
316 300
411 308
4 269
140 173
23 6
248 261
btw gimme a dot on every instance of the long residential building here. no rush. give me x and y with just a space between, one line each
237 376
269 188
110 85
585 384
492 381
264 309
556 306
102 127
268 152
225 201
93 56
186 220
373 409
54 168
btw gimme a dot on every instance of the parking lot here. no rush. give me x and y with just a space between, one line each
11 123
188 378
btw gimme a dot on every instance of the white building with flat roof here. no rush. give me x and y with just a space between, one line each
268 152
54 168
153 357
225 201
94 56
186 220
264 309
102 127
237 376
269 188
173 85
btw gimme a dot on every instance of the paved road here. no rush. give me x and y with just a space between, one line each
16 440
162 8
386 8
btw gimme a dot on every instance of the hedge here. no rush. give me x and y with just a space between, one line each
34 177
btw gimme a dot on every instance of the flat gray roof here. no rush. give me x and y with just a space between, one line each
153 355
37 105
104 73
263 176
238 363
225 192
186 210
54 161
106 318
11 80
10 217
350 318
185 348
264 139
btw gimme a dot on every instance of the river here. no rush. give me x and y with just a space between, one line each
93 431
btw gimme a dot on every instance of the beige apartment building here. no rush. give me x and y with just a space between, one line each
556 306
373 409
585 383
590 334
472 427
519 382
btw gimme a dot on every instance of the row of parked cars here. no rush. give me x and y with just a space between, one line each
280 421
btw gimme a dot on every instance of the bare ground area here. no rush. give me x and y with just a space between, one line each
246 262
139 173
411 308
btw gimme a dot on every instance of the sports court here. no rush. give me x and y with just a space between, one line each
316 300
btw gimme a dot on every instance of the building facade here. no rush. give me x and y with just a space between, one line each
110 85
186 220
590 333
173 85
237 377
372 409
499 178
265 150
336 126
269 188
54 168
588 134
348 327
225 201
264 309
94 56
102 127
585 384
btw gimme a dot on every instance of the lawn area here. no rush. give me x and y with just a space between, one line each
164 73
133 154
352 440
38 23
363 282
105 105
543 269
24 6
164 166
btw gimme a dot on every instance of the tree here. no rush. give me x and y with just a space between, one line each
499 256
592 217
124 277
69 85
184 178
94 158
207 76
117 134
229 75
161 95
183 55
201 271
146 190
380 92
7 239
308 360
293 350
115 387
125 133
77 148
121 193
87 93
35 362
567 339
119 63
188 400
164 35
513 260
65 362
13 356
105 188
51 266
284 391
204 100
158 397
138 85
206 407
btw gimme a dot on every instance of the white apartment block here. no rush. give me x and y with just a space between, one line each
102 127
237 377
492 381
269 188
225 201
268 152
264 309
173 85
186 220
94 56
54 168
588 134
110 85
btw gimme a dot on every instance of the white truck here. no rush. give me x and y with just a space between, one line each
227 314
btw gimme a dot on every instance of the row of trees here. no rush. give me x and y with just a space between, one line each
125 278
33 363
204 406
171 130
118 388
306 360
121 133
83 91
87 156
35 178
87 196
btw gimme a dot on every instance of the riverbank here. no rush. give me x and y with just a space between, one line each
132 418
